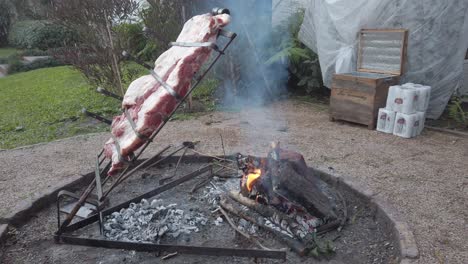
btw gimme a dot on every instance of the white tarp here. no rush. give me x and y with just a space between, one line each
438 39
283 9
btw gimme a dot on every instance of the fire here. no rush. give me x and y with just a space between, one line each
252 178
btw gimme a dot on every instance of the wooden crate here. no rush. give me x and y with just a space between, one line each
357 96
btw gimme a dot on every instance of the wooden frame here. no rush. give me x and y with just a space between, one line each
403 50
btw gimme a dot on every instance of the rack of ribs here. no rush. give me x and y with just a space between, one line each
150 99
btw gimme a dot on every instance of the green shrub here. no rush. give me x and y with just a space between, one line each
457 113
34 52
130 37
18 66
14 57
133 40
40 34
303 65
131 71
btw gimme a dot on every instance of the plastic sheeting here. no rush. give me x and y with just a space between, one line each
283 9
437 43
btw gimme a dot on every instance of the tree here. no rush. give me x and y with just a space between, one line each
6 14
97 54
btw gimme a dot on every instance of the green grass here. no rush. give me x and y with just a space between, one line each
45 104
5 52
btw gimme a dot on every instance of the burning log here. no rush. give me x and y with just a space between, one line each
265 211
294 244
284 181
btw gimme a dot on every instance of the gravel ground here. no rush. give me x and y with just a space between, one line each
423 178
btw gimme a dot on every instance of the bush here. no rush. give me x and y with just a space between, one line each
34 52
457 113
303 63
40 34
132 39
17 55
18 66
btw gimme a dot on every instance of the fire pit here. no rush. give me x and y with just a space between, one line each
218 210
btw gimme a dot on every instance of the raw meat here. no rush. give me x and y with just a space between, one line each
147 102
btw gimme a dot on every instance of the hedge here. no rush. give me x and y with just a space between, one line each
19 66
40 34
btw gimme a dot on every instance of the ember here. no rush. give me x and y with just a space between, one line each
252 178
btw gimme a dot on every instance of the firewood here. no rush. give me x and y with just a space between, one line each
295 245
289 181
249 237
264 210
285 180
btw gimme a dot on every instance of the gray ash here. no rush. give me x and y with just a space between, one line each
149 222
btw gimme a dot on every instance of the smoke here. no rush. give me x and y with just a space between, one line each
248 77
250 80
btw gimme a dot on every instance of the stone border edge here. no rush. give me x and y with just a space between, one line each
28 207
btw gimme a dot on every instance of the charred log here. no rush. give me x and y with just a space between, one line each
283 180
302 188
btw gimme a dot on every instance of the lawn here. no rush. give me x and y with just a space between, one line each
45 104
5 52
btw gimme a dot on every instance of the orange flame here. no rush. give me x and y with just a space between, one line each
252 178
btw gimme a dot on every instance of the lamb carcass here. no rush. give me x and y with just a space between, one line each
147 102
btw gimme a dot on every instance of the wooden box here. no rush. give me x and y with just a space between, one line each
357 96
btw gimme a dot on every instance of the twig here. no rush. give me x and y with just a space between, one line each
230 176
345 210
226 167
200 184
170 255
178 162
203 182
231 223
162 180
211 156
222 144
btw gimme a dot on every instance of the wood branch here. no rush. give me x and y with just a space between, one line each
264 210
231 223
295 245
